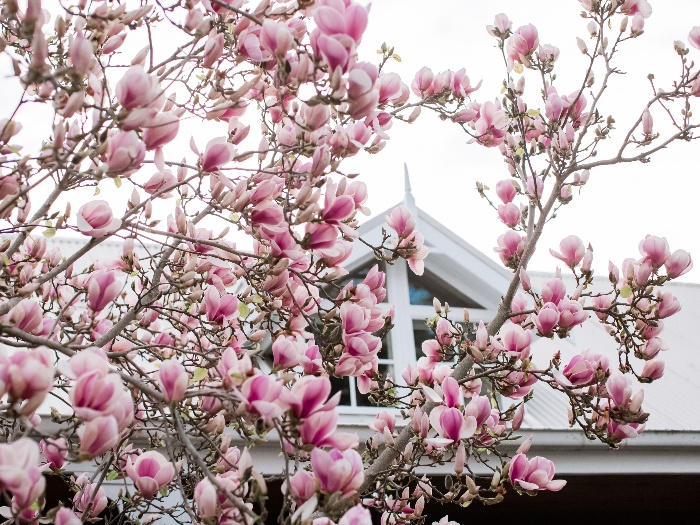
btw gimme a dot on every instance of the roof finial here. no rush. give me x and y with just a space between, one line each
408 198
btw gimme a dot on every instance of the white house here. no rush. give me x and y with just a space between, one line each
656 475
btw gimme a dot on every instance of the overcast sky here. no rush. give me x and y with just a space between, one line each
617 208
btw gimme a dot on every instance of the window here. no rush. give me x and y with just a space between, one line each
422 333
350 396
422 289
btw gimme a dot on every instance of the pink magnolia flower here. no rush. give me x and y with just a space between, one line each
321 236
522 43
509 214
357 515
313 117
160 130
81 54
501 25
98 435
652 347
276 37
234 368
451 425
338 471
694 37
401 221
653 369
506 190
514 340
320 429
20 473
480 408
55 451
582 369
423 81
647 122
113 43
219 308
102 289
173 380
517 384
648 331
27 376
617 430
554 106
668 306
339 18
511 244
217 153
571 313
65 516
150 472
678 264
572 251
490 128
548 53
534 474
158 182
519 304
546 319
26 316
535 186
632 7
302 486
125 153
95 219
206 496
264 395
553 291
461 86
334 51
384 421
88 360
137 89
213 49
414 251
619 388
96 394
655 250
310 395
89 496
391 89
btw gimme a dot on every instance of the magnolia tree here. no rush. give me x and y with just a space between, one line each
164 366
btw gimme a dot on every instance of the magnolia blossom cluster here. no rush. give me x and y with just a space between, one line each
152 360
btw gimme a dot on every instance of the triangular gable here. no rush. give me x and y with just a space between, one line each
457 263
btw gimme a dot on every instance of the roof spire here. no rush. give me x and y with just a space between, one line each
408 198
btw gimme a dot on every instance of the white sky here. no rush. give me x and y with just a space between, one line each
617 208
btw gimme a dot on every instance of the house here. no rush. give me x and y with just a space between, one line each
654 476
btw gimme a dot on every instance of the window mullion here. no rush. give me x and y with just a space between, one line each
402 344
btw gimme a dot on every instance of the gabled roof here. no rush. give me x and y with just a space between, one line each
451 257
671 401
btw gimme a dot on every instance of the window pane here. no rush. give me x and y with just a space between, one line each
385 352
421 333
422 289
342 385
363 399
